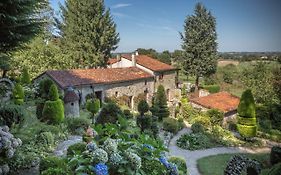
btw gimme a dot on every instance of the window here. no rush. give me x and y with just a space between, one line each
161 76
72 104
116 94
145 83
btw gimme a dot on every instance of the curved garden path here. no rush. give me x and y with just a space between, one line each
191 157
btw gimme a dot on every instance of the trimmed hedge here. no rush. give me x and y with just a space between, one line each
144 122
53 93
247 131
143 107
247 121
197 127
18 94
171 125
53 111
212 88
246 107
93 105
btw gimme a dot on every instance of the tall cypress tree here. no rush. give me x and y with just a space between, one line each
199 44
20 21
88 33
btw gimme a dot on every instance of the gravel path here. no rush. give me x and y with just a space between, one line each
62 147
191 157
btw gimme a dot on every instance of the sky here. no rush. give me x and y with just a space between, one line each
242 25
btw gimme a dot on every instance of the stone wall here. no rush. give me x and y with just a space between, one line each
168 81
71 109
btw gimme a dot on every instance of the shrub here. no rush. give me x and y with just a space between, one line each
18 94
39 109
109 114
144 122
216 116
153 167
128 114
171 125
160 104
227 77
25 77
275 170
143 107
93 105
183 90
197 127
77 148
44 88
209 80
203 120
52 162
53 93
212 88
194 141
77 125
180 163
53 111
275 155
45 138
54 171
11 114
247 115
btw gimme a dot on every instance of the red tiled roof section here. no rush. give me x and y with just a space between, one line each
150 63
222 101
78 77
112 61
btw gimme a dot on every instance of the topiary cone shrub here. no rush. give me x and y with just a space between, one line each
18 94
53 110
247 124
25 77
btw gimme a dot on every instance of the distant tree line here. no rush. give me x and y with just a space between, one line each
251 56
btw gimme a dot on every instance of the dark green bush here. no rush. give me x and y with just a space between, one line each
93 105
171 125
18 94
212 88
109 114
52 162
144 122
153 167
44 88
209 80
39 109
180 163
77 148
11 114
53 93
265 125
128 114
45 138
203 120
160 108
143 107
54 171
216 116
275 155
53 111
227 77
194 141
77 124
275 170
197 127
25 77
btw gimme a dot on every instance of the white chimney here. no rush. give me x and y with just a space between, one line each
118 57
134 60
137 53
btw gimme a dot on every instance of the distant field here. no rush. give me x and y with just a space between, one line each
223 63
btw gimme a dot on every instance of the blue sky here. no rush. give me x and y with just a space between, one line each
242 25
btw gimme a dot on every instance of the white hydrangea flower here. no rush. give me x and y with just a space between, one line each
115 159
100 156
135 160
110 146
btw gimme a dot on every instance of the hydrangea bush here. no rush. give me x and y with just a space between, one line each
8 146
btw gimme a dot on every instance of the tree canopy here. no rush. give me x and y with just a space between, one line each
88 33
199 43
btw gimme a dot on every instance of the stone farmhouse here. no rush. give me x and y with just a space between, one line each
127 75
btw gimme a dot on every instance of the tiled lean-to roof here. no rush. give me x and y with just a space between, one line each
76 77
150 63
222 101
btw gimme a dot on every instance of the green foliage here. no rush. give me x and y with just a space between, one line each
171 124
93 105
153 167
194 141
11 114
216 116
247 121
5 65
275 170
203 120
181 164
53 93
275 155
227 77
39 109
18 94
212 88
45 138
143 107
197 127
109 114
247 131
53 111
199 43
77 125
21 21
144 122
54 171
44 88
128 114
77 148
276 82
25 77
160 108
210 80
88 33
183 90
52 162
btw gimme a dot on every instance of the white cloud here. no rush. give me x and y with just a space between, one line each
117 14
121 5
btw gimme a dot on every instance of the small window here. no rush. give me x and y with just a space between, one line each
72 104
116 94
145 83
161 76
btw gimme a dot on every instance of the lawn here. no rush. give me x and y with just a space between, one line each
220 162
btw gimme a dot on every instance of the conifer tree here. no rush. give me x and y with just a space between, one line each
160 104
88 33
199 44
25 78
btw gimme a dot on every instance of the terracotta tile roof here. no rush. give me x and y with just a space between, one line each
76 77
112 61
150 63
222 101
70 96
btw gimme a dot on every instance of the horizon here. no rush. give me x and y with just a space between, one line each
242 26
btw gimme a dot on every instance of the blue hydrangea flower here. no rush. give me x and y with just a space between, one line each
91 146
148 146
173 169
164 161
101 169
